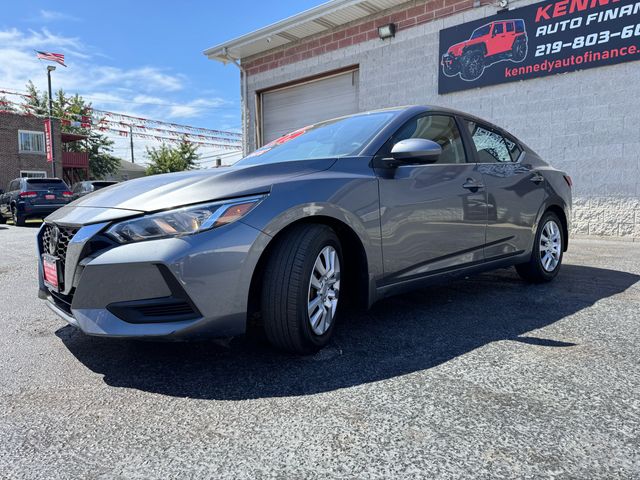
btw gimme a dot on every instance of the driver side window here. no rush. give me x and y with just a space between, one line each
441 129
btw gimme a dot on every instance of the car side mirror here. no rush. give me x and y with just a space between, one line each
416 151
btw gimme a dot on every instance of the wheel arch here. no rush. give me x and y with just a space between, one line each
476 46
356 271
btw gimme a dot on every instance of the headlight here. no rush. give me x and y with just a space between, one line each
182 221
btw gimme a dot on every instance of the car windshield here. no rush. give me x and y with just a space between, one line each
341 137
46 184
479 32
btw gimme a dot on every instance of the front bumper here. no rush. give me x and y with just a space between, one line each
175 288
449 60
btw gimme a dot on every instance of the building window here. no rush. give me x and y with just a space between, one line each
33 174
30 142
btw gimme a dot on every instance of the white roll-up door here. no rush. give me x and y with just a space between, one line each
287 109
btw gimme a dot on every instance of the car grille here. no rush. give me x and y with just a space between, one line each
58 249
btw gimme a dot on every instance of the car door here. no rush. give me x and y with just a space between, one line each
511 34
433 216
498 39
515 191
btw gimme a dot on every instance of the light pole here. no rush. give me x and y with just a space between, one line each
50 69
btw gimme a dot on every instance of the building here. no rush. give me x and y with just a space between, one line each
22 151
562 75
127 171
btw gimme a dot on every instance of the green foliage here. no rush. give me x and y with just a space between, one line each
167 159
5 106
71 108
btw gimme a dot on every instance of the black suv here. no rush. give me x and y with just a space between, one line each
32 198
81 189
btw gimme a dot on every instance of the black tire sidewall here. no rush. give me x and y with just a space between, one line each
466 59
322 241
514 56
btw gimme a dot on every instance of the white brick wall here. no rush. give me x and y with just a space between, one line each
586 123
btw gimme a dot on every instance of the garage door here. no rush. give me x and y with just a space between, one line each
297 106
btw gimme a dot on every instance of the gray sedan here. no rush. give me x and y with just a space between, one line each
349 210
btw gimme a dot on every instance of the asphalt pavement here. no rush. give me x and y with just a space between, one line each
485 377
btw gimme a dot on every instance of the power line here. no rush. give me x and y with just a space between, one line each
106 100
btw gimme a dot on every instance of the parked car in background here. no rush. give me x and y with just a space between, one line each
488 44
80 189
32 198
352 209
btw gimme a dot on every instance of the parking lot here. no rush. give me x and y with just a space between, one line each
486 377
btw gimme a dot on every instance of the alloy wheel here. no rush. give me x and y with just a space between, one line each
550 246
324 289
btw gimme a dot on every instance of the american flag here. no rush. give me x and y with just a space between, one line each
51 57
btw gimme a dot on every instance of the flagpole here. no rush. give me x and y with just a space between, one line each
50 69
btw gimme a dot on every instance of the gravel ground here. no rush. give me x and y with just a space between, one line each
485 377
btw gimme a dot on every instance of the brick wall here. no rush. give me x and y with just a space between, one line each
405 16
11 161
587 122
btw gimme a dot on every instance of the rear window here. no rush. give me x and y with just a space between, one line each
46 184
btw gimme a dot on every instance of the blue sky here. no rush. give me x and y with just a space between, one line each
137 57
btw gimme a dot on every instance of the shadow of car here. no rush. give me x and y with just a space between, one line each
399 335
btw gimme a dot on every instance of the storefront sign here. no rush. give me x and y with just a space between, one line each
47 140
538 40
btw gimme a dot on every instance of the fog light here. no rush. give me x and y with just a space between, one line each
387 31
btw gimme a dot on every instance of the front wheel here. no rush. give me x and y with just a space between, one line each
301 289
546 256
472 65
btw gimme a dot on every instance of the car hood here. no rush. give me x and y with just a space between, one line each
458 46
161 192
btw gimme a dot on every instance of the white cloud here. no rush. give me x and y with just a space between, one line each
142 91
53 16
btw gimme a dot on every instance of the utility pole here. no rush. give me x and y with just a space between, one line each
133 160
50 69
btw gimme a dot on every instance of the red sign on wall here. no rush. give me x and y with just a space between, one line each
47 140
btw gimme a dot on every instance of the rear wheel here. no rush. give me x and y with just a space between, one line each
546 256
301 289
519 50
18 219
2 219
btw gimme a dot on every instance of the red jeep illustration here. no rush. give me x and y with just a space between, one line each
488 44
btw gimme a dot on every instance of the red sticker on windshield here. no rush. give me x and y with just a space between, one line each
279 141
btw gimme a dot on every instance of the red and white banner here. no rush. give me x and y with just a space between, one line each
47 140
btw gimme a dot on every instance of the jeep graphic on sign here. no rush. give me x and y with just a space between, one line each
488 44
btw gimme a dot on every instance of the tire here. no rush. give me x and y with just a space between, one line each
2 219
18 220
287 290
519 50
538 269
472 65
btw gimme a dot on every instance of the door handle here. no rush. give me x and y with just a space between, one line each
537 178
472 185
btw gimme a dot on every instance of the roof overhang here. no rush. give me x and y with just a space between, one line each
325 17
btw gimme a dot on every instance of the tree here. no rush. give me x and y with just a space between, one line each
5 105
167 159
71 110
